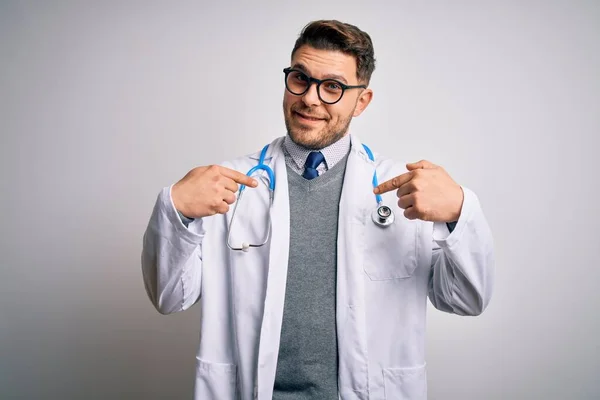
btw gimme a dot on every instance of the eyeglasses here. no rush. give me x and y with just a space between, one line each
330 91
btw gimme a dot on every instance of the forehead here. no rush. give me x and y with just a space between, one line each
324 63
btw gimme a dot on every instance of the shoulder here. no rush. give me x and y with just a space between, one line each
386 166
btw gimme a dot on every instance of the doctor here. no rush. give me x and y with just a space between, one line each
333 304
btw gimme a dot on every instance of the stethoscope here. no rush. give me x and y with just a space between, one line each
382 215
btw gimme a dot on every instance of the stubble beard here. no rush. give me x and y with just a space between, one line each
327 135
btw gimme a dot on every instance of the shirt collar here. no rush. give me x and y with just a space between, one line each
333 153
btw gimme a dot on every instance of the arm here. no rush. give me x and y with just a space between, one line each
172 257
172 253
462 272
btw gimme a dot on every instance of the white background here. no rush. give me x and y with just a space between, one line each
104 103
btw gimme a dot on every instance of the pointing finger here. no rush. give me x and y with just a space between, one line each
393 183
238 177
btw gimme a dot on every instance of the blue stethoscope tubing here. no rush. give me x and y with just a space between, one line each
262 166
271 184
382 215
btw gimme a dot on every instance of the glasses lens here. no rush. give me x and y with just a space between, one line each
330 91
296 82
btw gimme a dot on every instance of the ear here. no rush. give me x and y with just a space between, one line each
362 102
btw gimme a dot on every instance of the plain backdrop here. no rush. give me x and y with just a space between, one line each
104 103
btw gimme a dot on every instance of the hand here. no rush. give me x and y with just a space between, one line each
209 190
426 192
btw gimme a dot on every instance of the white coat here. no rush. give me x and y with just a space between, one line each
384 277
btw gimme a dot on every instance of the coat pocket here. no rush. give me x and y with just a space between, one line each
215 381
391 253
405 383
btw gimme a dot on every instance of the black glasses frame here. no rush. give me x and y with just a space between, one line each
310 79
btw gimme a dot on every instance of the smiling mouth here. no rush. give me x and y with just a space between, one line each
308 118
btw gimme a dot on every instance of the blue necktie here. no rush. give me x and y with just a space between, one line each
312 162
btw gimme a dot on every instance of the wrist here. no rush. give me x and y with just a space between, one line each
176 199
460 200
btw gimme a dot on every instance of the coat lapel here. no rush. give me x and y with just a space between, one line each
277 275
356 203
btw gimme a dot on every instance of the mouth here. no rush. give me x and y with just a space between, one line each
307 118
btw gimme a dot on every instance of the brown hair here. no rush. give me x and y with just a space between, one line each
338 36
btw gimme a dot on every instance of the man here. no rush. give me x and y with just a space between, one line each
333 305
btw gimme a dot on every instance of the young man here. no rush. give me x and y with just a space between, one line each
333 304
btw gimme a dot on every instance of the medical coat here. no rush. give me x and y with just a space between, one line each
384 277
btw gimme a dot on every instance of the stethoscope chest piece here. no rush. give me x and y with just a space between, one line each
383 216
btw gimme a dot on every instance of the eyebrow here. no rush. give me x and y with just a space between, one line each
303 68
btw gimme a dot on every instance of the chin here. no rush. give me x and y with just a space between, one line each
306 138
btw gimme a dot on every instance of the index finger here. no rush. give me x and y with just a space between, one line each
393 183
238 177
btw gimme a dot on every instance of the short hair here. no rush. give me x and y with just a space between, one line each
339 36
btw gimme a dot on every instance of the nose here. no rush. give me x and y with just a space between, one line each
311 97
